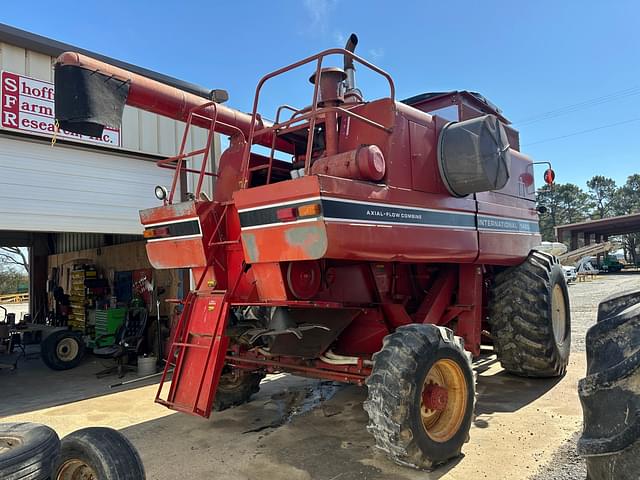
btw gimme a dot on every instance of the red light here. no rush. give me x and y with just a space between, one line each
549 176
286 214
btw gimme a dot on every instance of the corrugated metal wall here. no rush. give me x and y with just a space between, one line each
86 188
72 242
68 189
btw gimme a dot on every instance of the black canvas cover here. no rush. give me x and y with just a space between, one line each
473 155
86 101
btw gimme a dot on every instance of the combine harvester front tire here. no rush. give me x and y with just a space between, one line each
236 388
421 396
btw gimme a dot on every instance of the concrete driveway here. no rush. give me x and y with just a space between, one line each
305 429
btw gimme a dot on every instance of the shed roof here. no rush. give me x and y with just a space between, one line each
605 226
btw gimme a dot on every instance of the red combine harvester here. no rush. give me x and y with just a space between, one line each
381 253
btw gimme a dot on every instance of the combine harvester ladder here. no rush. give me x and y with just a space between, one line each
199 346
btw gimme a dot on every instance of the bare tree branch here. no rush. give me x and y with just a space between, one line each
14 256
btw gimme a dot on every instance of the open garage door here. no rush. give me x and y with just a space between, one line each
70 189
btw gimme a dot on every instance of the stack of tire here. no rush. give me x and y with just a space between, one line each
610 393
30 451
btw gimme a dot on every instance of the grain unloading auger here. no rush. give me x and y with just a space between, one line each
381 252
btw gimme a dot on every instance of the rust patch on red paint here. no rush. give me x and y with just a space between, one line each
251 247
285 243
311 239
168 212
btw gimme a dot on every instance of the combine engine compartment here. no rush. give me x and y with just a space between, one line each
387 215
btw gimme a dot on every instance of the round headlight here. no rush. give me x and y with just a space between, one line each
161 192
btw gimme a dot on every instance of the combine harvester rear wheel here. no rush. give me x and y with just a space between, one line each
530 317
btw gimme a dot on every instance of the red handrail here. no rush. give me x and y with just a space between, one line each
176 162
313 112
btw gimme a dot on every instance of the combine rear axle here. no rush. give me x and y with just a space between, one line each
346 373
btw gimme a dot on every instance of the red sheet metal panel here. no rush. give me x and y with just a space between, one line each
507 219
201 347
269 281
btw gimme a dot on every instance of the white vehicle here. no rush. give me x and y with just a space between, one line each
554 248
570 273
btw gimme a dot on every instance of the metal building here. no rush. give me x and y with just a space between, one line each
61 193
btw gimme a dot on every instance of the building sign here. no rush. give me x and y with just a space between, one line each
28 106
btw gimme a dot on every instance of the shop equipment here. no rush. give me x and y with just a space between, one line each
127 341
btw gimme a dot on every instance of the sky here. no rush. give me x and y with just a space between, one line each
555 68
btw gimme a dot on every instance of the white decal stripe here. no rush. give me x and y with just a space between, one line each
184 237
396 205
357 202
407 224
281 224
381 223
507 232
279 204
170 222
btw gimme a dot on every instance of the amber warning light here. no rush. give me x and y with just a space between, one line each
156 232
292 213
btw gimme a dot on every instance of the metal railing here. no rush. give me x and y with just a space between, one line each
14 298
178 162
311 114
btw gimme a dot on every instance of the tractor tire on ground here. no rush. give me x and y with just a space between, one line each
610 393
530 317
421 396
62 350
236 388
98 453
27 451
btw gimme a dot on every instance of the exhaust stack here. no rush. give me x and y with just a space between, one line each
351 92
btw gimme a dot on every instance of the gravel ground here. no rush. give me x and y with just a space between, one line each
565 464
584 297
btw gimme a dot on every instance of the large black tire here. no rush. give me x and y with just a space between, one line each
410 434
27 451
99 453
236 388
610 393
62 350
530 317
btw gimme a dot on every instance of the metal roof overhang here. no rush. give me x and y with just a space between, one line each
605 227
